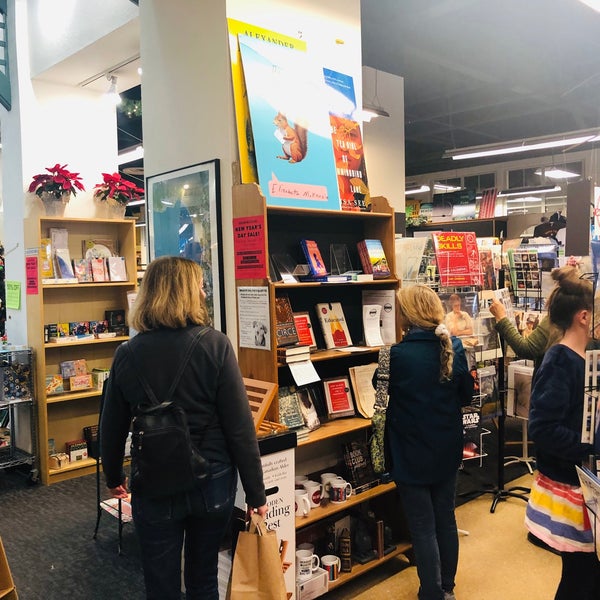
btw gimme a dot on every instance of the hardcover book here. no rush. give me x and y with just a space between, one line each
373 259
457 258
99 269
83 270
333 324
313 258
284 317
62 263
338 397
304 328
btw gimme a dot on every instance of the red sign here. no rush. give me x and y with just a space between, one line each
457 258
249 247
31 275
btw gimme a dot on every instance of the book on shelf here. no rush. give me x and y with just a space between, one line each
338 397
62 263
333 325
357 460
305 330
116 268
290 413
285 328
371 314
99 247
59 238
373 259
361 378
387 300
309 411
46 266
99 272
315 261
315 390
83 270
298 353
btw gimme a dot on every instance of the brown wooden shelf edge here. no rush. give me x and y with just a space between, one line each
89 393
317 514
358 569
335 428
89 341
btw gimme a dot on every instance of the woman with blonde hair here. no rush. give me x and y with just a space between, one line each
429 383
556 513
170 315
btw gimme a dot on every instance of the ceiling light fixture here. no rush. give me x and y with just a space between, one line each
112 92
420 189
572 138
539 189
528 199
373 109
556 173
443 187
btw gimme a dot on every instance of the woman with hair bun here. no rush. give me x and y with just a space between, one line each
429 382
556 513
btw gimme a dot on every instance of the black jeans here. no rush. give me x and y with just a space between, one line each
429 511
200 518
580 577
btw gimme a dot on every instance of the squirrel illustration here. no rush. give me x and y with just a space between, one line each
293 139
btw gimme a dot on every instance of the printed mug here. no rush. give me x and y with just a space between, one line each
332 564
306 564
315 491
326 483
340 490
302 503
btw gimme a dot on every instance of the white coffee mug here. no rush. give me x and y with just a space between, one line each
306 564
340 490
315 491
302 503
332 564
326 482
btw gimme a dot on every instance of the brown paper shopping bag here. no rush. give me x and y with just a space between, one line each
257 572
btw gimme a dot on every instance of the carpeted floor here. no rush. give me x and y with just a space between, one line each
47 533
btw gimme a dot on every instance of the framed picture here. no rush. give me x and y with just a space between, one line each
306 333
184 219
338 397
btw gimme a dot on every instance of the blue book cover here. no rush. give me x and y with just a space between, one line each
290 126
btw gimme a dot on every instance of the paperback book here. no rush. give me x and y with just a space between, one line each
304 328
338 397
314 259
371 324
333 324
285 327
290 413
386 299
357 459
373 259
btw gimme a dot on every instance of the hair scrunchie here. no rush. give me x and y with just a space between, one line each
442 331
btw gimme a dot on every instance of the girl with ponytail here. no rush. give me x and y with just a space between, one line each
556 513
429 383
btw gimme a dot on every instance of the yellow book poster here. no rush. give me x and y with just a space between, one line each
240 96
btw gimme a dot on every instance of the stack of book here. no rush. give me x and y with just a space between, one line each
292 354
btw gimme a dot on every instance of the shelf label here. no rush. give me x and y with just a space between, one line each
13 294
31 276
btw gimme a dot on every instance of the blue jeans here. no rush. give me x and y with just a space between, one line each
429 511
201 518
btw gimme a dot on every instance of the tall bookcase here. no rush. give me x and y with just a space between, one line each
62 417
284 228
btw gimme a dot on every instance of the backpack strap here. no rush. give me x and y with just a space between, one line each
179 374
383 380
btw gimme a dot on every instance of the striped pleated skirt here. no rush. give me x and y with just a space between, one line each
556 514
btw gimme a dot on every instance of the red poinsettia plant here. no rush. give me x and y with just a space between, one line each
116 187
57 182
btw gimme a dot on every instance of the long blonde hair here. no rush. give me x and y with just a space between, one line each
170 296
420 306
